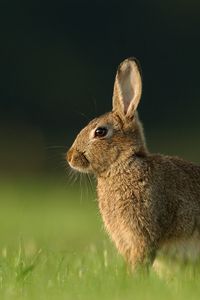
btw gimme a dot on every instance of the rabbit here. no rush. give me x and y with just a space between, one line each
148 202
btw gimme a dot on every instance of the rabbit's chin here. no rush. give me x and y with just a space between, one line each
80 169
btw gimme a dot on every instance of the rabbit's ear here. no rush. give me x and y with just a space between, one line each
127 88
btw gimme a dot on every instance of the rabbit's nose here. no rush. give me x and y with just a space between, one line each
69 155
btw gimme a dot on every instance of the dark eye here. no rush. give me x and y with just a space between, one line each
101 132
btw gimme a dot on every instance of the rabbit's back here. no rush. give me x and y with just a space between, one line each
180 178
181 191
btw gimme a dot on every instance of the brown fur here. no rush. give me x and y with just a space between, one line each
148 202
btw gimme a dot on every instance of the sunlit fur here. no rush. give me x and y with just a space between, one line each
148 202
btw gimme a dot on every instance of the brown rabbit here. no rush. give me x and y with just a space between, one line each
148 202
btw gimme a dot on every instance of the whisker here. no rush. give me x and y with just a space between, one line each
84 180
90 182
71 175
95 105
92 188
86 184
54 147
80 182
82 114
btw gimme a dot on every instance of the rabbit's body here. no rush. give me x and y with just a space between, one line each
147 202
150 211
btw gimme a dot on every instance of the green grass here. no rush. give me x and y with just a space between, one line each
53 246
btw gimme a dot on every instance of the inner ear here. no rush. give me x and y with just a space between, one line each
127 91
127 88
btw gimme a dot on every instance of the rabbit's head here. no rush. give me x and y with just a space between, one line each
112 138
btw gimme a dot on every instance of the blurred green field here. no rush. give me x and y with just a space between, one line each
53 246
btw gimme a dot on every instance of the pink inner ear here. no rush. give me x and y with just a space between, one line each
127 92
127 88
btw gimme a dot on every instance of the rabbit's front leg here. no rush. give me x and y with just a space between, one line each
140 256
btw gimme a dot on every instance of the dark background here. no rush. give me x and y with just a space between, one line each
57 65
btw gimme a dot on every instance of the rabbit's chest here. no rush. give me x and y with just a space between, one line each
118 217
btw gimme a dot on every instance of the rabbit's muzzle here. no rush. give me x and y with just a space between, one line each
77 160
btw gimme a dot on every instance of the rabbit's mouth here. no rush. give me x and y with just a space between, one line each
78 161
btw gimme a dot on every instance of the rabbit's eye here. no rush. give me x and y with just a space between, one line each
101 132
